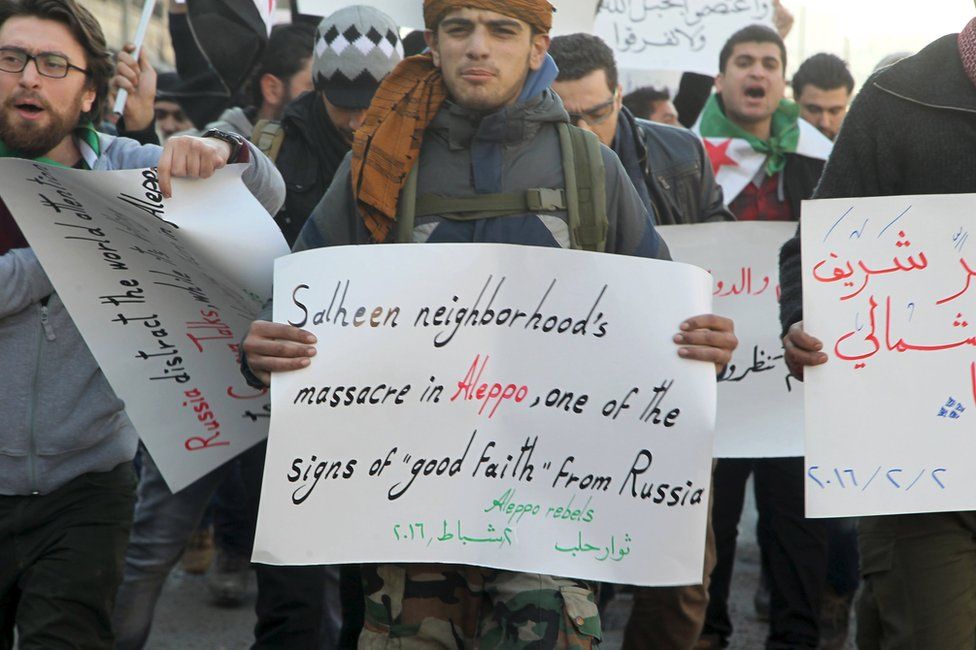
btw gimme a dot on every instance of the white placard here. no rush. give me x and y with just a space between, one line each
574 16
405 13
888 287
506 406
760 407
685 35
571 16
162 290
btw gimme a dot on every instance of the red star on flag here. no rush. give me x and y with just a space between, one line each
719 154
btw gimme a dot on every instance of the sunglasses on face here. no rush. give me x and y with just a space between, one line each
48 64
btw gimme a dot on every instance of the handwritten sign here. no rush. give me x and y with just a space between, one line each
888 286
506 406
682 35
571 15
405 13
162 290
760 407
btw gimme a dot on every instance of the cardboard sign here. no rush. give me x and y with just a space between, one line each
162 290
760 406
888 287
505 406
684 35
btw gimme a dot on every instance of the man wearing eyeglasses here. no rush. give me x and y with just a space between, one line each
667 165
66 445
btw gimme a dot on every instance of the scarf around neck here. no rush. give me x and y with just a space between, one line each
387 146
967 49
784 132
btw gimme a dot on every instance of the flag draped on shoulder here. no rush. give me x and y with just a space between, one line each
737 156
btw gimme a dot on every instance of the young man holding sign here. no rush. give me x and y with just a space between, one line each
767 161
479 116
910 131
66 479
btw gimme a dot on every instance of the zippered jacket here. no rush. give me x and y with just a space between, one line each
61 419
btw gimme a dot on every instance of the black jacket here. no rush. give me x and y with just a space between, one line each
310 154
676 172
911 130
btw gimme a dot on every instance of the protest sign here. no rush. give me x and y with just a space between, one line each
162 290
571 15
514 407
760 407
405 13
684 35
888 288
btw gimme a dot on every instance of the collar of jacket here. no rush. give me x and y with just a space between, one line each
485 135
307 114
459 126
934 77
642 158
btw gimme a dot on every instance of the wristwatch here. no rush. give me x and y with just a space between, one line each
235 141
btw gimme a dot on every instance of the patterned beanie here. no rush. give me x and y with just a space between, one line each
355 48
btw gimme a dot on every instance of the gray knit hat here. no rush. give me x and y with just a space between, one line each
355 48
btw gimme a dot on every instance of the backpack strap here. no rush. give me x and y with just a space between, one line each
491 205
268 136
586 188
584 198
407 208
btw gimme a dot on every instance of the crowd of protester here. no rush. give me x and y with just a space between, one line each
330 116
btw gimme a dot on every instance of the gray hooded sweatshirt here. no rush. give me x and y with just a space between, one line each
61 417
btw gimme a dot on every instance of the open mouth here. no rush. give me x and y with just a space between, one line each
29 107
755 92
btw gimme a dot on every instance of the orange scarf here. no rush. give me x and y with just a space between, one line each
387 145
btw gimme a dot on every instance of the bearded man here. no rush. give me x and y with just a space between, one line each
475 116
66 446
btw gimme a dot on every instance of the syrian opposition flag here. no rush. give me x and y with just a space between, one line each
737 157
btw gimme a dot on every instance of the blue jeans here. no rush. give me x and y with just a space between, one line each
290 611
163 523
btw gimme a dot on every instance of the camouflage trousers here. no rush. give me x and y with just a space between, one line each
414 606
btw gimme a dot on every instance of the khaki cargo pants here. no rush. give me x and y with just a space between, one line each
415 606
919 589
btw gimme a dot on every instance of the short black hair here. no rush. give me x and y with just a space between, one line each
86 30
577 55
641 101
289 48
825 71
751 34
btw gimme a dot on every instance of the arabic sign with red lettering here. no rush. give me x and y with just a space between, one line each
163 291
525 410
760 407
888 286
684 35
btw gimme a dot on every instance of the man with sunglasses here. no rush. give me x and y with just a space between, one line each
667 165
66 445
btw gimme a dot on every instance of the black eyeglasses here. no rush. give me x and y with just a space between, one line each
596 115
48 64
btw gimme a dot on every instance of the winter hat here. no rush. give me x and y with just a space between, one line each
355 48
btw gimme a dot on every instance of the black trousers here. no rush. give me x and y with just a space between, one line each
61 561
793 548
